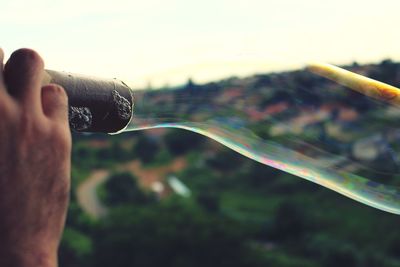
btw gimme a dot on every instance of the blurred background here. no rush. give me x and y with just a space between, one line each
169 197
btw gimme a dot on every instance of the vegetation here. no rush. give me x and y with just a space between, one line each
240 212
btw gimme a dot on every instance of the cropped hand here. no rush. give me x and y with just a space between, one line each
35 149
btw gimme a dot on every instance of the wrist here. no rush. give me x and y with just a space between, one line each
27 258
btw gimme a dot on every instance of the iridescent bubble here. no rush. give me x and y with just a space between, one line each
328 135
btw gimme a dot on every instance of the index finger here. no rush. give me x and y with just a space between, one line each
2 85
23 74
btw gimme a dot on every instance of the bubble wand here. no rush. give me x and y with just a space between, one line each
364 85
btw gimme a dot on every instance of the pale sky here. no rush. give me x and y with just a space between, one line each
166 41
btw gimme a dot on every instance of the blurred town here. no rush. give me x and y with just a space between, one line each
169 197
296 105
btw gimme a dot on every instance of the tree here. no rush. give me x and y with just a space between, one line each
172 234
291 222
226 160
180 142
122 188
146 149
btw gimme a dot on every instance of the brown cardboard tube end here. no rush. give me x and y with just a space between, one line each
95 105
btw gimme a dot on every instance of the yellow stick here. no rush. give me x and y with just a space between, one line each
359 83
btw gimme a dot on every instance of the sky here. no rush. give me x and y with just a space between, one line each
165 42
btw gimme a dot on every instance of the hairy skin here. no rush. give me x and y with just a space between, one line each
35 151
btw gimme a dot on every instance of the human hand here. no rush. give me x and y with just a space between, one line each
35 150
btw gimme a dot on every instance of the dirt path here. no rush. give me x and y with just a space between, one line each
147 176
87 195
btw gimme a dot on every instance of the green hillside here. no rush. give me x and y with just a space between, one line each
239 212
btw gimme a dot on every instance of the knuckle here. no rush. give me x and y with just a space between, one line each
66 138
4 109
7 109
31 126
61 137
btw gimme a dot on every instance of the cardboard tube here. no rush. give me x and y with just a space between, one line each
95 105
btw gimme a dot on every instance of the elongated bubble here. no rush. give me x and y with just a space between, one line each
296 122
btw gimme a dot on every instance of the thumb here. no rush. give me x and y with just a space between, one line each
55 103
